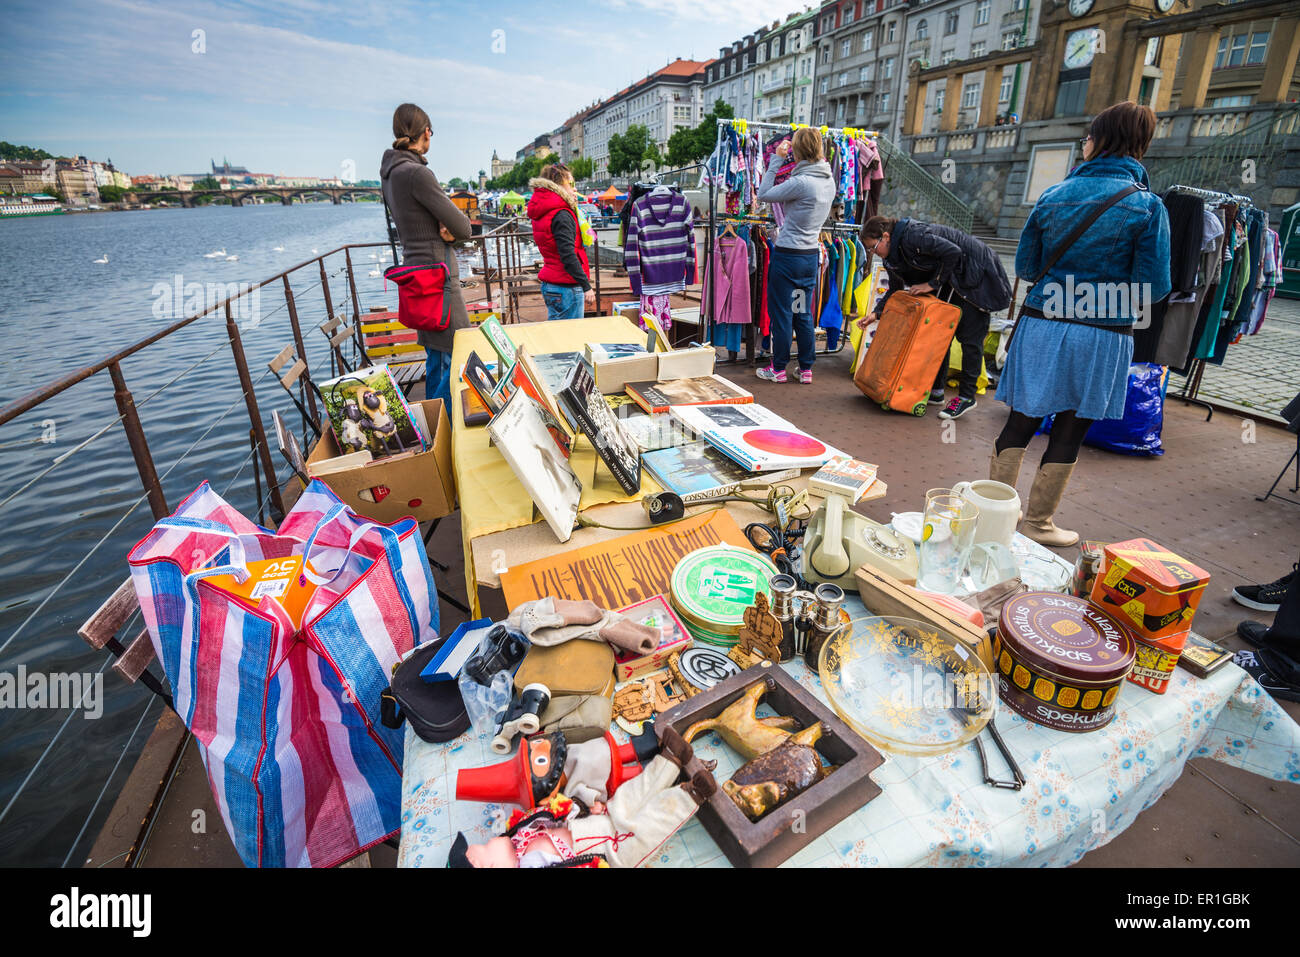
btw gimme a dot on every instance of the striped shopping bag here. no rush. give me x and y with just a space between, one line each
286 715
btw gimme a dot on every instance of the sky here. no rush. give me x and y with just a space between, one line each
307 87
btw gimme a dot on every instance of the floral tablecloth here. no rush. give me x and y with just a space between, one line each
1082 790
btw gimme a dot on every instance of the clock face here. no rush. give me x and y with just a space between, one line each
1079 7
1081 47
1164 6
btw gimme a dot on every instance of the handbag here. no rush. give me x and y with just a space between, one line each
280 685
420 288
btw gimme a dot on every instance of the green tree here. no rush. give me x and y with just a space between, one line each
687 146
207 182
457 183
627 151
22 153
582 168
112 194
551 159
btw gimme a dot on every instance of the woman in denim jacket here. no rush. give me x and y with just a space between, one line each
1074 342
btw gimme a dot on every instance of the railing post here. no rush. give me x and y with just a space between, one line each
302 348
139 444
254 415
352 286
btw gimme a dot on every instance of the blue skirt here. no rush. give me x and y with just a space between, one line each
1054 366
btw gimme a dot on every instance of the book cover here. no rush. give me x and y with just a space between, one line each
587 408
754 436
651 432
520 433
472 410
500 342
697 471
600 351
702 390
368 411
845 476
481 386
517 379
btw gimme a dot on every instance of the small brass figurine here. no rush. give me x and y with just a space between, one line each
749 734
760 636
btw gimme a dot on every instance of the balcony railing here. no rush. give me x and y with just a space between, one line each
960 141
774 110
772 86
1013 18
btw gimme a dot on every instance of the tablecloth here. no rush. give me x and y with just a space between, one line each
1082 790
491 497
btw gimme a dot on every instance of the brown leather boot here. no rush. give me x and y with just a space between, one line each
1044 498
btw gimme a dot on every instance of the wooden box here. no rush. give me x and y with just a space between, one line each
774 838
886 596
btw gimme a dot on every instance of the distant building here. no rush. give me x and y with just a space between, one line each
499 166
76 180
665 101
33 177
784 70
572 142
730 77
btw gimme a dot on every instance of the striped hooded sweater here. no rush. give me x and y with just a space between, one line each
660 249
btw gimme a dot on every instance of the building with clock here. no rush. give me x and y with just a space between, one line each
1208 69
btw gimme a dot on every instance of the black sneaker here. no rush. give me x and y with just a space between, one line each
936 397
1263 597
1253 633
1260 666
958 407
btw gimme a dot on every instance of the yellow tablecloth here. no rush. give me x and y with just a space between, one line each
491 497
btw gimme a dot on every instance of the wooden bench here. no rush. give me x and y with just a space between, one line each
133 660
387 340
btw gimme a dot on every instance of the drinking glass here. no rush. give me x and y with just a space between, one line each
947 534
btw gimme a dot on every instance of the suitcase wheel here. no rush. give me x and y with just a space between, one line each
918 409
885 406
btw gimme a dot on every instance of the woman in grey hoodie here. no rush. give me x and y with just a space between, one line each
805 199
427 223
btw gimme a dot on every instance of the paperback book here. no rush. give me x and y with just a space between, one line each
587 408
481 385
845 476
367 411
600 351
500 342
520 433
755 437
697 471
703 390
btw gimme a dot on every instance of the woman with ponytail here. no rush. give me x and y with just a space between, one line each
427 223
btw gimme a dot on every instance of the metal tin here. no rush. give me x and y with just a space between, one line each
1156 660
712 587
1151 590
1061 660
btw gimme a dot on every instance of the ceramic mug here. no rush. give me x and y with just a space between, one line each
999 507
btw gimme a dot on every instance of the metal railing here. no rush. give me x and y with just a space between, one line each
1260 141
945 206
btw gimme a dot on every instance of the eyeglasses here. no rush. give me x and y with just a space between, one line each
1084 141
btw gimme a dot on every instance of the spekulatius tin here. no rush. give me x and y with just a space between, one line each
1061 660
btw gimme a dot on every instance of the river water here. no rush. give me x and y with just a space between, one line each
61 767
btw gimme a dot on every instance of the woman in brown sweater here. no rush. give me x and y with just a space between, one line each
427 223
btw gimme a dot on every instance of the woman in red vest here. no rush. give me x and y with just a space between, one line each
553 209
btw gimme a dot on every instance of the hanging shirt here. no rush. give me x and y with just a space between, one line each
660 249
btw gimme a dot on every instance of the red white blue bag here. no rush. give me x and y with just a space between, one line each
420 289
287 718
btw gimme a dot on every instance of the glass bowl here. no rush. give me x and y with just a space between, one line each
905 686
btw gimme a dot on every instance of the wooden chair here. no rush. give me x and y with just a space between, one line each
336 334
133 660
297 375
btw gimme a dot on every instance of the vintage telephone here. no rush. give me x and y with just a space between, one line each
839 541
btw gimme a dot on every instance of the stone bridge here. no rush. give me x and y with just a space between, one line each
237 197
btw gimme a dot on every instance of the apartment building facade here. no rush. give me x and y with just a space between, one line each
667 100
785 69
730 77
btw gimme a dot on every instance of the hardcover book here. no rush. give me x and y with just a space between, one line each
587 408
368 411
481 386
754 436
500 342
845 476
600 351
702 390
518 378
697 472
520 433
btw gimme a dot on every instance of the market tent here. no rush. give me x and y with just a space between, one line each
512 199
611 193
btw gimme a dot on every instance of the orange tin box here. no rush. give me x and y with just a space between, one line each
1153 591
1156 660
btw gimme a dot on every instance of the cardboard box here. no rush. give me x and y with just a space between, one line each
419 484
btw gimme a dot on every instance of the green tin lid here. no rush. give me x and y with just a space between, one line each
713 586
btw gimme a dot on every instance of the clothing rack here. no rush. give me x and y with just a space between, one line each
743 125
1192 381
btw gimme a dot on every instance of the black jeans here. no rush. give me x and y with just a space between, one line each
972 330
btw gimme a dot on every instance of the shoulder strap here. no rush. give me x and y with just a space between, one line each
392 229
1079 230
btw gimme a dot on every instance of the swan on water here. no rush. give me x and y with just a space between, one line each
215 253
104 260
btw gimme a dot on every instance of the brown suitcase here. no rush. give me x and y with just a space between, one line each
903 359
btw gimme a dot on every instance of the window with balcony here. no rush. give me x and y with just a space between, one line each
887 69
978 49
1010 40
1004 91
922 29
951 22
982 12
970 95
826 56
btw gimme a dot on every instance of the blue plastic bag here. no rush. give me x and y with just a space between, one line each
1138 432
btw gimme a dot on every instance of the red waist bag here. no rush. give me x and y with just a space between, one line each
419 295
